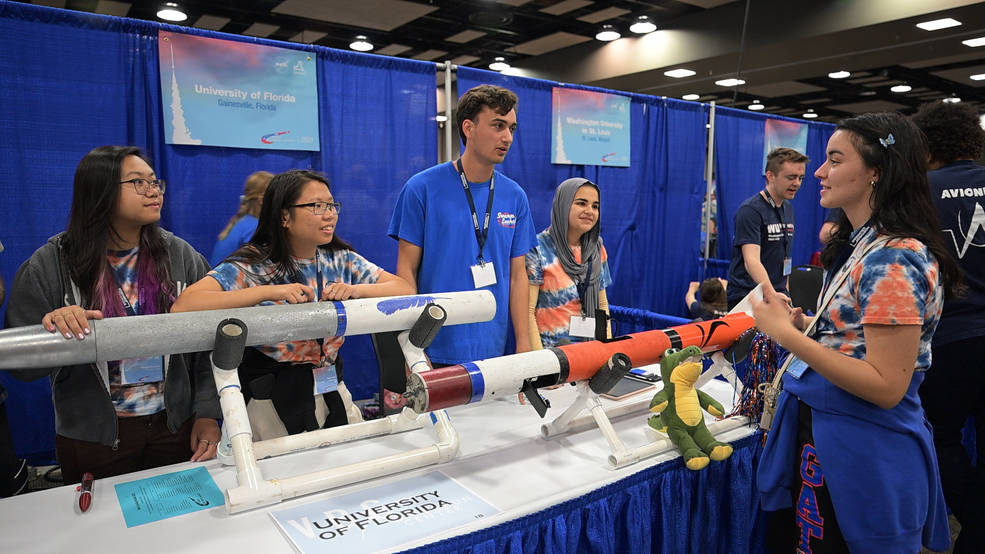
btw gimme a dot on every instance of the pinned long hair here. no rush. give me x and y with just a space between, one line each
95 194
270 242
900 201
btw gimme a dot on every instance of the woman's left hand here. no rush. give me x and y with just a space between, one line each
205 439
339 291
773 313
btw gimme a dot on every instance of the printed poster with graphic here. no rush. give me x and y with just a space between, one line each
589 128
779 132
380 519
225 93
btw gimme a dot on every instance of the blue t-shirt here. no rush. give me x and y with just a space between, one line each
958 190
433 213
758 222
240 234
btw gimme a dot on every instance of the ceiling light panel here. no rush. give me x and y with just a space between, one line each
679 73
938 24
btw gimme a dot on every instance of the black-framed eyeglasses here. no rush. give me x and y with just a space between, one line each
141 186
318 208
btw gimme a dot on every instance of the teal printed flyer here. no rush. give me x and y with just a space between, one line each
589 128
227 93
382 518
164 496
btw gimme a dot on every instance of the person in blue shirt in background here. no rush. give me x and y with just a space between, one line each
955 385
241 226
463 225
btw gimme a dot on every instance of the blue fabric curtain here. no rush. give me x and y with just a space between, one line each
665 508
651 210
739 175
75 81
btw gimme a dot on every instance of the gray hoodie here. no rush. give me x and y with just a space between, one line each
83 409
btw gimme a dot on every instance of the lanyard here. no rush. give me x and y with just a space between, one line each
480 236
127 306
779 218
849 255
583 289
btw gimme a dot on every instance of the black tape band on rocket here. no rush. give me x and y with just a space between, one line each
675 339
563 362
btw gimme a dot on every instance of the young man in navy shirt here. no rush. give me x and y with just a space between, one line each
463 225
954 389
764 226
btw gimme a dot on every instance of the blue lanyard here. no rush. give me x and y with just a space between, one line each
480 237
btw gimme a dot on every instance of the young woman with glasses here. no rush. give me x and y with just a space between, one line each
114 261
294 256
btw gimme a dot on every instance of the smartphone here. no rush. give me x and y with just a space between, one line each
643 375
627 387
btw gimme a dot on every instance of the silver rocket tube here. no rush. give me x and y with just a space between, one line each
117 338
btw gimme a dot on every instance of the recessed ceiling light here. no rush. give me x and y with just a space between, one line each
499 64
839 74
679 73
938 24
809 115
951 100
691 96
361 44
979 77
171 12
731 82
974 42
607 34
756 106
643 25
901 88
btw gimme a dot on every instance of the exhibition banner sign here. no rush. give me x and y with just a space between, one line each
589 128
226 93
382 518
779 132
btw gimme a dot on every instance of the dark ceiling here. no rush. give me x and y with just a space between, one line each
783 49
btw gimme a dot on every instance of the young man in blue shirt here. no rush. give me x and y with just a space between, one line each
764 226
463 225
955 384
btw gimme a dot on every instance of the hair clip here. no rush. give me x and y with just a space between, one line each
888 141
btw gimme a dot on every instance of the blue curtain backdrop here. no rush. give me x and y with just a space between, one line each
74 81
739 174
651 211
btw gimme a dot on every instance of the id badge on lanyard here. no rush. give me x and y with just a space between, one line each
483 272
326 379
138 371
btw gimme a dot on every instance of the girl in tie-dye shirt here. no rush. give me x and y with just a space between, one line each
294 256
850 450
568 270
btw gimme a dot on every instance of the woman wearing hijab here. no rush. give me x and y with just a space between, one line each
568 270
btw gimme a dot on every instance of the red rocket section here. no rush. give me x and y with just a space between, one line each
585 358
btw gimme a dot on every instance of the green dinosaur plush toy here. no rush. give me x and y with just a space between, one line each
679 406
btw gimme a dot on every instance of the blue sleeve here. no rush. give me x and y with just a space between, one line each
407 221
229 275
748 226
524 237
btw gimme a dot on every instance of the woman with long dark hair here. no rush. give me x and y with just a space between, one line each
114 261
243 223
850 448
294 256
569 269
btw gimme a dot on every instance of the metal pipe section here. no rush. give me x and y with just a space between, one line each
118 338
486 379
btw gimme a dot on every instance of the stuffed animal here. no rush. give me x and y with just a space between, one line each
679 407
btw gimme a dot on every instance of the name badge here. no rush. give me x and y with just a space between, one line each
326 379
582 327
135 371
797 368
483 275
787 266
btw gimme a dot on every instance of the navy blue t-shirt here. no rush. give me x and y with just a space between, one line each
958 190
432 212
758 222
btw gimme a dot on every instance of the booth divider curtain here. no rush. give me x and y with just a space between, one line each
650 211
74 81
739 173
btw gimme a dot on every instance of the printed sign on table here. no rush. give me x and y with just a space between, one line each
589 128
227 93
169 495
382 518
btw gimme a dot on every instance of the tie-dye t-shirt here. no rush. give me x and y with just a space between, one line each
895 284
137 399
343 266
558 298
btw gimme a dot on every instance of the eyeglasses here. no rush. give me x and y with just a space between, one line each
318 208
142 186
